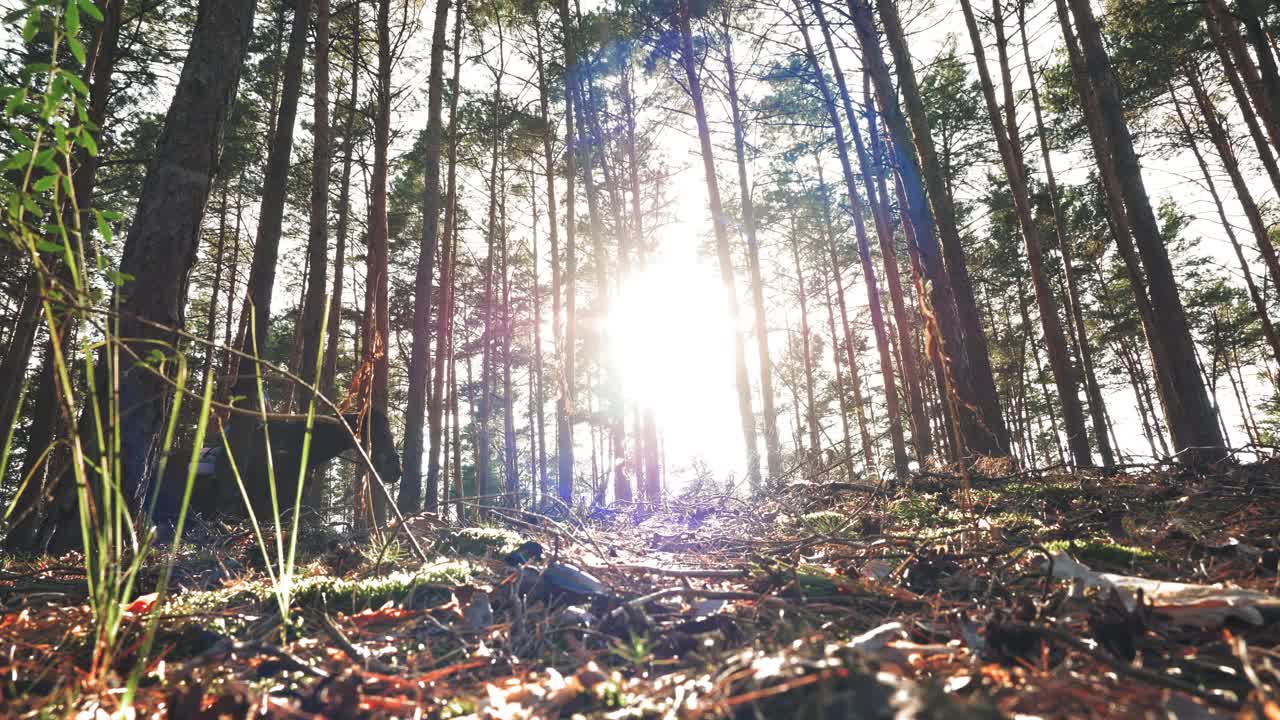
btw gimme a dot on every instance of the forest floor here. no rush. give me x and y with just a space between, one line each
1144 594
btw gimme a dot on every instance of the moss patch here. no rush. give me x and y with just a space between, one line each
1106 553
415 589
479 541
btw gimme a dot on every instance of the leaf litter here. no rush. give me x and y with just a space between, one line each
1141 594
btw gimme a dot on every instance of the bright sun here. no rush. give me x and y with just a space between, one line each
671 334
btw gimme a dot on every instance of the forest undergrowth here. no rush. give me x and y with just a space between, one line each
1148 593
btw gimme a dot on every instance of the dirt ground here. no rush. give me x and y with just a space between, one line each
1143 594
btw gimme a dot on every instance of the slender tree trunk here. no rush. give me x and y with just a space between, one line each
564 404
211 317
847 451
537 396
590 153
377 322
850 344
512 491
864 251
1097 406
910 359
311 362
884 233
1191 418
484 480
773 451
416 405
647 428
964 344
448 269
1252 14
722 244
334 333
811 414
456 426
266 249
1011 152
1225 30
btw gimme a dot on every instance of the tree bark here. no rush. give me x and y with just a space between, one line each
722 244
1011 152
964 344
1191 417
159 253
564 403
448 267
266 249
773 451
416 405
857 209
1097 406
377 324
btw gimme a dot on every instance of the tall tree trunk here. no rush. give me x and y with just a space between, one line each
334 333
318 232
537 396
811 414
266 249
902 319
484 479
1097 406
1055 337
160 250
877 198
1252 14
646 427
1191 418
377 324
44 410
448 266
564 403
590 153
773 451
864 250
846 451
722 244
511 494
416 405
964 344
850 344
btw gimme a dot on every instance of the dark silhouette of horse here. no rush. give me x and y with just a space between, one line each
216 491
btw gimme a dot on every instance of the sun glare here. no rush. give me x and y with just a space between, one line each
671 335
